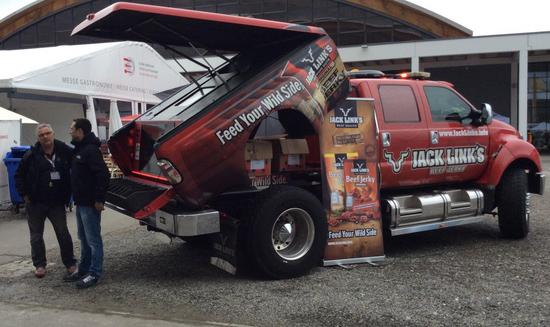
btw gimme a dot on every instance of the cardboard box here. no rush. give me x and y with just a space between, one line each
258 155
291 155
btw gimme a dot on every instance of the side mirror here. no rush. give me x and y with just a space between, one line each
454 117
486 114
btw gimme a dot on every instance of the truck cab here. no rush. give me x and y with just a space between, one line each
426 134
442 157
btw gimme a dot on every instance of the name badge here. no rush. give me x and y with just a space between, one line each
54 176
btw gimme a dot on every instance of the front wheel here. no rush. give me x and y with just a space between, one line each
287 232
513 209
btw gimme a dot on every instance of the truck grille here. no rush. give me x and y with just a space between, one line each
131 195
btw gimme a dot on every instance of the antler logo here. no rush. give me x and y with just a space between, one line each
359 167
310 59
396 165
345 112
339 160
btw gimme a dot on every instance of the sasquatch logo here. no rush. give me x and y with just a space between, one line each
396 165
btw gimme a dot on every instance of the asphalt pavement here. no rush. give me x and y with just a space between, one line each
464 276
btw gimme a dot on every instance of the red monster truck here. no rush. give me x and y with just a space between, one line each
192 162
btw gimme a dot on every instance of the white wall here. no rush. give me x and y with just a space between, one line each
58 114
10 131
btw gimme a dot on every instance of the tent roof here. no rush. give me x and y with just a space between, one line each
17 63
122 70
6 114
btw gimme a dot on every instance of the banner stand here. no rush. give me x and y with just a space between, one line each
351 261
351 197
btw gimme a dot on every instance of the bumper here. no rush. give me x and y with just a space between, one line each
537 182
185 223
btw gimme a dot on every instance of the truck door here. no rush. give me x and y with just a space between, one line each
402 128
465 145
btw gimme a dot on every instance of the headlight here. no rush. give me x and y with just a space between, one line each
169 171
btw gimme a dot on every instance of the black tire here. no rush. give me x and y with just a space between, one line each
280 255
513 211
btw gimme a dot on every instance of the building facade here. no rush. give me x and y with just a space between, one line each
50 22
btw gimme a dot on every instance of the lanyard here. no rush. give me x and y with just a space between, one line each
51 161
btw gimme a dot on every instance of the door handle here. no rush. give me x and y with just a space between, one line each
386 139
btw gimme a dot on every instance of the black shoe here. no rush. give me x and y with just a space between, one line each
73 277
87 281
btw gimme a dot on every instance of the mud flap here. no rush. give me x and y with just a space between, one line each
228 253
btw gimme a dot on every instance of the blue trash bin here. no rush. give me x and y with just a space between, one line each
11 160
19 151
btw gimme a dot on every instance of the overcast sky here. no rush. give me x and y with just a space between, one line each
483 17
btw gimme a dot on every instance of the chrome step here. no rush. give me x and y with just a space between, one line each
432 210
437 225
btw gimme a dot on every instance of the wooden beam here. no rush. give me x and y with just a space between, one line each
34 14
413 17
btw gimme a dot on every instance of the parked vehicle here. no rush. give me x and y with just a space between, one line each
445 163
209 153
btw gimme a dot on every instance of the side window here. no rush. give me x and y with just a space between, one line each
444 102
398 104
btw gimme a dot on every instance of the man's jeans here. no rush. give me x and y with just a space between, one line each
56 214
88 222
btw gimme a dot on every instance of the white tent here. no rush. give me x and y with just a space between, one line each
26 127
58 84
6 114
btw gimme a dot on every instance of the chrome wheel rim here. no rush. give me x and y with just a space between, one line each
292 234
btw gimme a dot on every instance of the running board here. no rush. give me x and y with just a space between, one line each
437 225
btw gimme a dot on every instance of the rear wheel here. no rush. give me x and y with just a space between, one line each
513 209
287 232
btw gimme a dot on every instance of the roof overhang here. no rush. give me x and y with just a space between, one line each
416 16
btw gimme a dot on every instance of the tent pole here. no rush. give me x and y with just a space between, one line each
90 113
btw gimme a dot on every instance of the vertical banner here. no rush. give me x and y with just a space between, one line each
349 147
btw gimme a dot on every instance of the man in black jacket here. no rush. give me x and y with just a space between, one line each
89 181
42 179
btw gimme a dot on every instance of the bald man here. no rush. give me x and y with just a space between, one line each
43 180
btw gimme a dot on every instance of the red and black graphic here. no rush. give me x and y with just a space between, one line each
204 139
354 217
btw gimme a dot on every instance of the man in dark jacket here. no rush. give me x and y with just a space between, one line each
89 181
43 180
